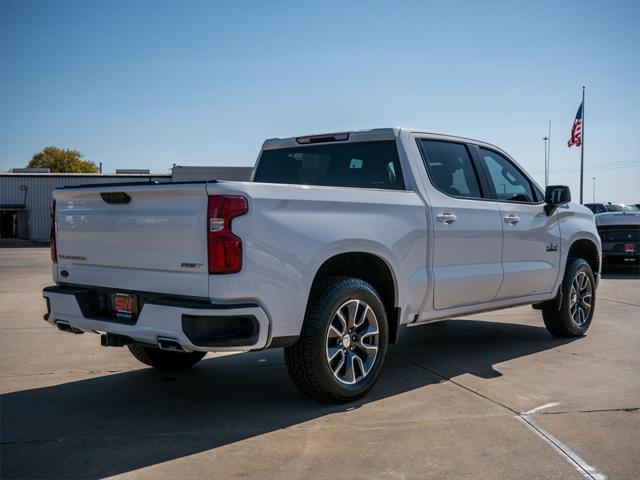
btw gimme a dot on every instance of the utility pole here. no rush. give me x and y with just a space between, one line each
548 155
594 189
546 162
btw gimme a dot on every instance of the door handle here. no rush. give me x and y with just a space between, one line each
446 218
511 219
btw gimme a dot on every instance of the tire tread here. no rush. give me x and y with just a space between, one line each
558 321
304 363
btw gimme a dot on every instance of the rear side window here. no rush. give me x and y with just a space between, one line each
450 168
508 183
356 164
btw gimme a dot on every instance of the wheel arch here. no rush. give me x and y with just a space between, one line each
371 268
582 247
588 250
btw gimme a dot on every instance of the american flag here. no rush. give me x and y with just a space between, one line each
576 130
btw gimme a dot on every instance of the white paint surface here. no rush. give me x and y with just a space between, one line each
586 470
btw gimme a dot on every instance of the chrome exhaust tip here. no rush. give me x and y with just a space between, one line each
64 326
170 344
114 340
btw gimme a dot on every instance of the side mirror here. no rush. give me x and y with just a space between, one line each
554 196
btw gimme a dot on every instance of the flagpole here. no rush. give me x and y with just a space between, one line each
582 149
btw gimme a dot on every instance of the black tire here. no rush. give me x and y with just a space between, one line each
560 321
165 360
307 360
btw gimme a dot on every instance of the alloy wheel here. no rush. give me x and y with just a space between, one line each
352 341
581 295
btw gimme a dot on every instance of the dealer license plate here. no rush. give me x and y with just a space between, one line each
124 305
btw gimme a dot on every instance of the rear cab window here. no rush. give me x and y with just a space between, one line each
373 164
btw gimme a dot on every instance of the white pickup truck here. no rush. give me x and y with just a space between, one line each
338 241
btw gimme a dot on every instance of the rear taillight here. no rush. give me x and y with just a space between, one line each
224 248
52 234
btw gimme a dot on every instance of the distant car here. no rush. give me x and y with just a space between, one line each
612 207
621 207
619 230
596 207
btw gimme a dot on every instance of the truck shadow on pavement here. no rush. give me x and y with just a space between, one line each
126 421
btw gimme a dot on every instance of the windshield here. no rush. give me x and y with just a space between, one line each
618 207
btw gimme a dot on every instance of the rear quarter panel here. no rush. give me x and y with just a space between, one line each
291 230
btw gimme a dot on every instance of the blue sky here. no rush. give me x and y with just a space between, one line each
145 84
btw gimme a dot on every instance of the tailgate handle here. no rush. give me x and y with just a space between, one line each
115 197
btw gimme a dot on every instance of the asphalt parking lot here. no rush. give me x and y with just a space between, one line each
487 396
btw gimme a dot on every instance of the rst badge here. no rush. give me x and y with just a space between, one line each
190 265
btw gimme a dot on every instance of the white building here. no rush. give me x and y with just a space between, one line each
25 197
190 174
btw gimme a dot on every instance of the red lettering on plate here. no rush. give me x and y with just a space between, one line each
123 304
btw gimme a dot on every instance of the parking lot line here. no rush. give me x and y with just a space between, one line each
560 448
586 470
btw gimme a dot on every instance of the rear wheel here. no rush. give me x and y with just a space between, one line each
165 360
577 305
343 342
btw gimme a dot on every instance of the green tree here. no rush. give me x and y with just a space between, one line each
62 160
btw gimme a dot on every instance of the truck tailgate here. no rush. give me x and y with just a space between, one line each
155 242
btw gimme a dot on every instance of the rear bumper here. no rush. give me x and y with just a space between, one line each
196 326
616 250
611 256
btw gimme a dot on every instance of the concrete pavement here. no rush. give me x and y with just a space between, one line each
488 396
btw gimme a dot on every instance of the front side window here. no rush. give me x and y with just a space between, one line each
354 164
450 168
508 182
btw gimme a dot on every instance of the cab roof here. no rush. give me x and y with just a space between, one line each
374 134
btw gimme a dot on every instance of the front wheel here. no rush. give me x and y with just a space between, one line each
578 302
343 342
